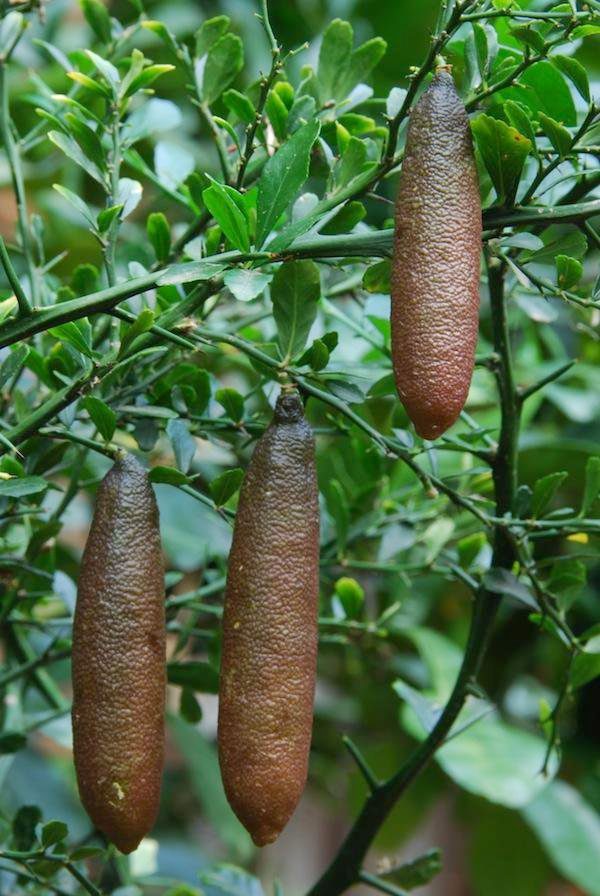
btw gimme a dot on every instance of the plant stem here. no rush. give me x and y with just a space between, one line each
346 868
22 300
14 164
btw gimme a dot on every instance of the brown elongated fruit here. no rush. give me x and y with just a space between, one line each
436 261
269 653
119 659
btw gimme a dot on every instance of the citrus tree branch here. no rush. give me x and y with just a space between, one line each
346 868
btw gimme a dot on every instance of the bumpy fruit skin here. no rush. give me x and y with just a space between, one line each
269 653
119 659
436 263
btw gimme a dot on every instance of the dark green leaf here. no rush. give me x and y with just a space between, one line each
569 830
209 33
226 485
168 475
547 92
24 825
183 443
568 271
501 581
558 136
239 105
233 403
346 219
141 325
13 363
53 832
12 741
98 19
592 485
418 872
519 119
282 177
295 291
103 417
198 676
377 277
228 215
575 71
504 151
189 706
544 490
21 487
225 60
159 234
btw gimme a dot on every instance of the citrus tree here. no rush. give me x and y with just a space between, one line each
191 224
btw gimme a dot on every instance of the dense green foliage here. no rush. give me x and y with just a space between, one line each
197 209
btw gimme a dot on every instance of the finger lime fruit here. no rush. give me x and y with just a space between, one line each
268 662
436 261
119 659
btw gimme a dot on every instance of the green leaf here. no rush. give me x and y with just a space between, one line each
316 356
232 402
417 873
226 485
337 505
519 119
558 136
569 831
183 443
201 677
209 33
224 61
53 832
340 67
529 36
572 243
159 234
225 880
351 595
227 213
346 219
488 758
547 92
13 362
190 273
21 487
544 490
107 216
103 417
376 278
76 202
576 73
77 333
246 285
592 485
203 768
12 741
86 852
24 825
295 291
141 325
501 581
239 104
469 548
567 580
72 149
568 271
504 151
283 175
190 710
278 114
168 476
586 665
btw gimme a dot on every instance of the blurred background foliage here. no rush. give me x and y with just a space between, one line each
395 619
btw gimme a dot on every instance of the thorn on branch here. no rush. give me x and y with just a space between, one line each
367 772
